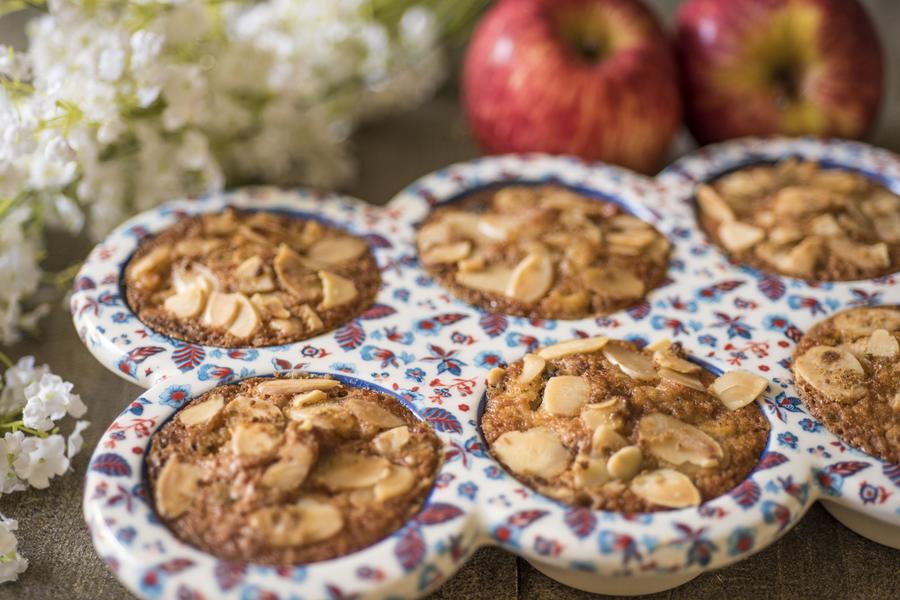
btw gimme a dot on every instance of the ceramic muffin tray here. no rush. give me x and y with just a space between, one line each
433 352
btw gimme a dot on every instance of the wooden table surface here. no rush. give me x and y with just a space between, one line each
818 558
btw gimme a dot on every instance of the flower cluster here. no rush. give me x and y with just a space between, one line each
119 105
32 450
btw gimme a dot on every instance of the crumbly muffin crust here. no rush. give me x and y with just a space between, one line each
239 279
542 252
847 370
246 472
605 425
800 220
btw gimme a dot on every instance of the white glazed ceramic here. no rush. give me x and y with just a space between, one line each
433 351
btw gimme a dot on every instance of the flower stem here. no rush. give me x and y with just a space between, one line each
20 426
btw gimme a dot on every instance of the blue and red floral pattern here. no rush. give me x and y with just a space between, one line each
433 352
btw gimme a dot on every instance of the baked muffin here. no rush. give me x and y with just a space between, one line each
847 370
600 423
800 220
250 279
290 470
542 252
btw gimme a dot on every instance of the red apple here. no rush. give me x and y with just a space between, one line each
758 67
594 78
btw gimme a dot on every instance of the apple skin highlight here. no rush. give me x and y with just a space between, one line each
764 67
593 78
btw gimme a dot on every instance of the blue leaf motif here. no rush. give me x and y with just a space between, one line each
112 465
442 419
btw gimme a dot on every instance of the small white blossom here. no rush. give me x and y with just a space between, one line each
40 459
75 440
10 448
18 377
11 562
49 400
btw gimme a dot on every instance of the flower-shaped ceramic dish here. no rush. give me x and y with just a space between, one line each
434 352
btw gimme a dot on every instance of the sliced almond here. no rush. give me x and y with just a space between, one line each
347 470
493 279
335 250
531 279
186 304
336 290
801 260
513 198
590 471
606 439
397 482
713 205
638 240
495 375
576 346
254 440
565 395
603 413
433 234
286 326
221 309
295 274
667 359
245 408
247 321
785 235
176 487
289 385
659 345
473 264
192 276
253 236
532 367
153 262
310 318
737 236
793 201
859 322
688 380
392 441
330 417
198 414
865 256
632 362
833 372
307 398
271 305
666 487
626 222
290 471
447 253
296 525
537 452
624 463
882 343
371 413
253 275
826 226
677 442
221 224
195 247
737 389
613 282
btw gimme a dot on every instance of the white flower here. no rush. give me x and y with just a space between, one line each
49 400
75 441
18 377
40 459
11 562
10 448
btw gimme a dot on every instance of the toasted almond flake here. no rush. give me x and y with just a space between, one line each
186 304
295 274
888 227
327 416
369 412
684 379
498 228
347 470
785 235
531 279
296 525
392 441
310 318
677 442
335 250
495 375
638 240
866 256
713 205
826 226
882 343
624 463
253 275
792 201
247 321
660 345
254 440
532 367
605 438
737 389
270 304
833 372
666 487
801 260
253 236
286 326
176 487
307 398
290 385
667 359
473 264
151 263
632 362
589 472
627 222
313 231
737 236
433 234
221 224
613 282
290 471
336 290
859 322
221 309
576 346
537 451
245 408
194 247
565 395
447 253
493 279
602 413
397 482
514 197
201 413
192 276
579 253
